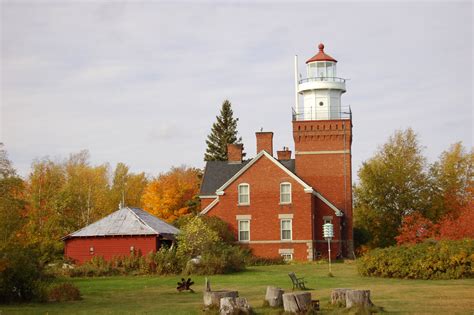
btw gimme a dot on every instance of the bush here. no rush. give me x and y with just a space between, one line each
428 260
64 292
22 276
168 262
221 259
262 261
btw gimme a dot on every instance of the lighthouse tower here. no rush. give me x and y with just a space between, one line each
322 131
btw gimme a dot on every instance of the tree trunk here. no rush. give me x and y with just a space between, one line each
296 302
231 305
338 297
274 296
213 298
358 298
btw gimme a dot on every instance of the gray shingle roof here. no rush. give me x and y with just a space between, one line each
127 221
217 173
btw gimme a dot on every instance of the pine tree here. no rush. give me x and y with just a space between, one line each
223 132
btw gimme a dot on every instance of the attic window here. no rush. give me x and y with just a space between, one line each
244 194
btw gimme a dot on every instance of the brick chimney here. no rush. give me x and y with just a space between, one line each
265 141
234 152
284 154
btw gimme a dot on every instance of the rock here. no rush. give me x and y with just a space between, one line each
196 260
274 296
296 302
231 305
360 298
213 298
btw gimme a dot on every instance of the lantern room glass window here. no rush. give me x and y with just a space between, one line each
244 194
321 69
285 193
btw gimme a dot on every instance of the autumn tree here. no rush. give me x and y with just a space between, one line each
11 202
127 188
391 185
223 132
416 228
173 194
452 182
64 196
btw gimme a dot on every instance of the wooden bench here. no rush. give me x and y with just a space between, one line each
297 282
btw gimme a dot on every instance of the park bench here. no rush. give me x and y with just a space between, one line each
297 282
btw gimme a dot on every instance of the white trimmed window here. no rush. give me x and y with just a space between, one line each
286 229
244 194
287 257
285 193
244 230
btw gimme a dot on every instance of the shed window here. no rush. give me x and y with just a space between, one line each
244 194
91 250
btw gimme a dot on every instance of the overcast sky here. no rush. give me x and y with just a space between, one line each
141 83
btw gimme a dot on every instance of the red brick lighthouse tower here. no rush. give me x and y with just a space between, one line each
322 131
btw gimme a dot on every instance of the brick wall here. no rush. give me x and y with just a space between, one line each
323 160
264 178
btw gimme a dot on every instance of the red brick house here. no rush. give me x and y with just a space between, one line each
278 205
120 233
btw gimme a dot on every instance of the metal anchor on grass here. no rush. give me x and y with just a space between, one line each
185 285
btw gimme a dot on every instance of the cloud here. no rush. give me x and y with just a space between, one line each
130 81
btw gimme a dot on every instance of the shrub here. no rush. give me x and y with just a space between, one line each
195 238
168 262
223 258
64 292
22 276
262 261
428 260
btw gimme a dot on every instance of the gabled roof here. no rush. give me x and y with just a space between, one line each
287 166
262 153
217 173
127 221
321 55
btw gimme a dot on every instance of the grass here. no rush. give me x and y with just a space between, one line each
158 295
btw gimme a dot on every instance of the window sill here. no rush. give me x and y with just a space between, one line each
244 242
243 204
285 203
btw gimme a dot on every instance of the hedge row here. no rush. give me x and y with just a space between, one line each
223 259
428 260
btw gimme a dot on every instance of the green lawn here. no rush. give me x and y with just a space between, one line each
153 294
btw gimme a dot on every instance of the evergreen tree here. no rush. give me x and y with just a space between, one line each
223 132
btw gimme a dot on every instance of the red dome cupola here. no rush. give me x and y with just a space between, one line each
321 55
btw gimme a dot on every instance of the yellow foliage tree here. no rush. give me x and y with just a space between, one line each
173 194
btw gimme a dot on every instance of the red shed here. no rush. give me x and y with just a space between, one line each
125 231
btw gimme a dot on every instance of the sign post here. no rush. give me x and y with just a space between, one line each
328 232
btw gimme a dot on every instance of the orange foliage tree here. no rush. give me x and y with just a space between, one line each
173 194
458 227
415 229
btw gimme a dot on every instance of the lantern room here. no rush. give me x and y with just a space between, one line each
321 90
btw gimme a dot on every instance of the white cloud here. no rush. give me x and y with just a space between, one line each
131 81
